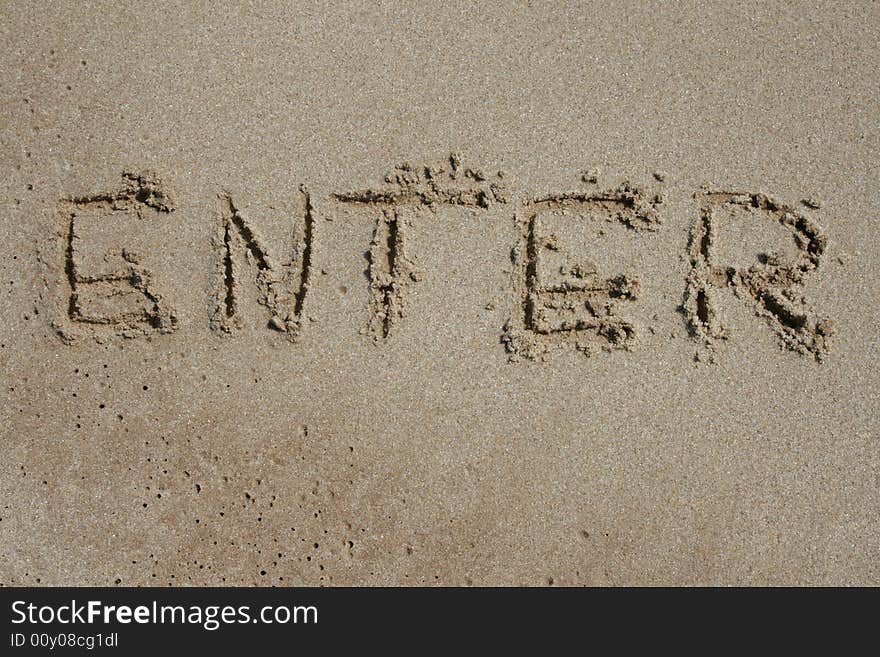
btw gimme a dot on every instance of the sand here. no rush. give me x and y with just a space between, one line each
359 294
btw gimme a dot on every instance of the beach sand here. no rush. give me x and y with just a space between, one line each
366 294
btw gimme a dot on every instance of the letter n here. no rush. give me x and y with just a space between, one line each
280 280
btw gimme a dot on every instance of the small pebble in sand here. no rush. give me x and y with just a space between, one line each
591 176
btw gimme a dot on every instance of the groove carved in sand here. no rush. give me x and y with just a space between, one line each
771 286
410 188
108 290
98 283
577 305
282 287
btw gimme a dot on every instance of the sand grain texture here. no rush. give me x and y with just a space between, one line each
347 293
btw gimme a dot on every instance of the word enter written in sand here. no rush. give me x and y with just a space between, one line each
107 279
